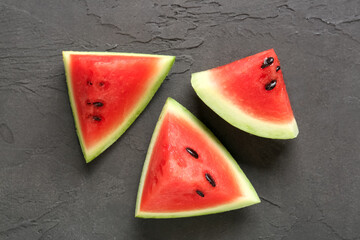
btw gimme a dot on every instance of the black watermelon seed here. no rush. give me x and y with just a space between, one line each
88 102
278 68
89 83
97 118
101 84
192 152
98 104
200 193
270 85
210 179
267 62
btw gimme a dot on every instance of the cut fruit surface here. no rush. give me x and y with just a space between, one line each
188 172
250 94
108 91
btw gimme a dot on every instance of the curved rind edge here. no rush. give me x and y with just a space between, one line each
208 93
166 65
250 196
66 60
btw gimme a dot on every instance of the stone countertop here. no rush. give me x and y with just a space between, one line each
309 186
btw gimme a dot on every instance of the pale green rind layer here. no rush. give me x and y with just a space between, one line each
209 94
164 68
249 197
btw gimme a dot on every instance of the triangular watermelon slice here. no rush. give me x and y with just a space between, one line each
250 94
188 172
108 91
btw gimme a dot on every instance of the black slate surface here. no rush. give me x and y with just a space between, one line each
309 186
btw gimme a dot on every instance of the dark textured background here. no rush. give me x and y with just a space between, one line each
309 186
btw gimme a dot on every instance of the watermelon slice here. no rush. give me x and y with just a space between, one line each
108 91
250 94
187 172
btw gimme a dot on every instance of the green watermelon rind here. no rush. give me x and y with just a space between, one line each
210 95
250 196
165 67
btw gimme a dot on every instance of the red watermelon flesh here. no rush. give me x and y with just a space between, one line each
170 163
121 81
108 91
188 172
250 94
236 80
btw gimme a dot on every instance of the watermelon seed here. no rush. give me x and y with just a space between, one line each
89 83
267 62
98 104
97 118
101 84
88 102
200 193
270 85
210 179
278 68
192 152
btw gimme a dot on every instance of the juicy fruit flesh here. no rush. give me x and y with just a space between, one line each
174 175
106 89
244 83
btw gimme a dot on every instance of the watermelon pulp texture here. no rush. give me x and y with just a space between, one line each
187 172
108 91
250 94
